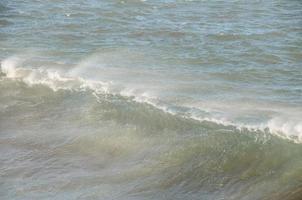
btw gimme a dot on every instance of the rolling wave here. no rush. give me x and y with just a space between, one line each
11 68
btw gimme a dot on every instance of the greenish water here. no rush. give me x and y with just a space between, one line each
150 99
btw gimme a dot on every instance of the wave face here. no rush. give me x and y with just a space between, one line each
108 137
150 100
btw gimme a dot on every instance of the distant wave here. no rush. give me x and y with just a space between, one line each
11 68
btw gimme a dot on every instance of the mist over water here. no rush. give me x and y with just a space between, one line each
150 99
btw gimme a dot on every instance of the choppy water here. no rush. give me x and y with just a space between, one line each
165 99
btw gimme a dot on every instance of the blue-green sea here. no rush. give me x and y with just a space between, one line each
151 99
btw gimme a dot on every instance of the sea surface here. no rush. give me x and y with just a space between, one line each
150 100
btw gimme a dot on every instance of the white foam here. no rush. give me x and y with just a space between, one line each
48 77
8 67
290 129
286 127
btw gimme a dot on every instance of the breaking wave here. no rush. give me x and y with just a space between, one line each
286 127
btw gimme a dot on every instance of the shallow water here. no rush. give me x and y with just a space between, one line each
150 99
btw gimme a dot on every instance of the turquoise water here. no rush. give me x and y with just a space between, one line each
150 99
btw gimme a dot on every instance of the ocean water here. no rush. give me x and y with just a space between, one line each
155 100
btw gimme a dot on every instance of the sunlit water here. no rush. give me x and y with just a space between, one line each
150 100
